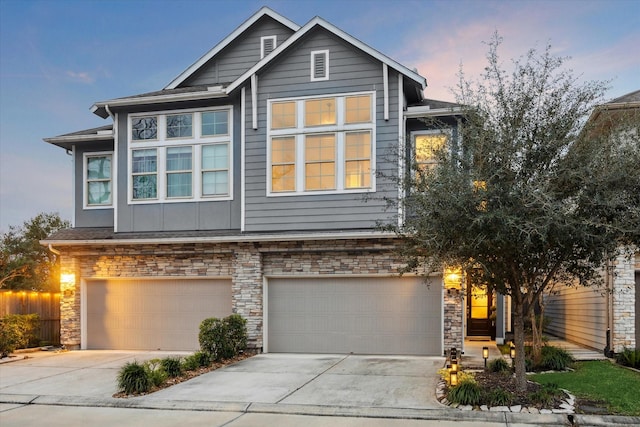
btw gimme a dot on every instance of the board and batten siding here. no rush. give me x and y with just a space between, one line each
240 55
579 315
350 70
178 216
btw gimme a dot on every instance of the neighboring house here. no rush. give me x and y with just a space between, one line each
603 318
253 184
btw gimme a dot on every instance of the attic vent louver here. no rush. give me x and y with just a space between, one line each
320 65
267 45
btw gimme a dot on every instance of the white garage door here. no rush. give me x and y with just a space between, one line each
152 314
355 315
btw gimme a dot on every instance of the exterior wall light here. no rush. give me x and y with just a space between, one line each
485 355
453 278
67 284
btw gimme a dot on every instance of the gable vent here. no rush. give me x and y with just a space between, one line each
268 45
320 65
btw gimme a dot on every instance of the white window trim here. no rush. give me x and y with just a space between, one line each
263 41
85 196
196 141
314 54
414 134
339 129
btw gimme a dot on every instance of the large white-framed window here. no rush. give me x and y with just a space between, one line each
181 156
98 180
321 144
319 65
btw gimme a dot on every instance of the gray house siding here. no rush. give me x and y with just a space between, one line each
240 55
200 215
94 217
349 71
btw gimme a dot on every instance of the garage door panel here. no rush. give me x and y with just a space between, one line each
151 315
359 315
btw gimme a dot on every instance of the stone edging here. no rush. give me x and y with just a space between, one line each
566 407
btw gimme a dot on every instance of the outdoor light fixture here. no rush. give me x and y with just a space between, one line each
512 352
453 278
485 355
454 366
453 378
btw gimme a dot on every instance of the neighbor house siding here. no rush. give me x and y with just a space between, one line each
161 216
350 71
240 55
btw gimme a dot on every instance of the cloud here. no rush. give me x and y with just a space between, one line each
82 77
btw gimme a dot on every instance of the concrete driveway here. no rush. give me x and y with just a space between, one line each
89 378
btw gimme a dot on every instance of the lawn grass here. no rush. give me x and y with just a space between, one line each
600 381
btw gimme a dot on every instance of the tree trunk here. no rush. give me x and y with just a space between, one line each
536 339
518 336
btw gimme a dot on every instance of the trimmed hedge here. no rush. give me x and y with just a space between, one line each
223 338
18 331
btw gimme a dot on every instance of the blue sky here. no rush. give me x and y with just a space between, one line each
58 57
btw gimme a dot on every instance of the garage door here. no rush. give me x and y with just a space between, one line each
355 315
152 315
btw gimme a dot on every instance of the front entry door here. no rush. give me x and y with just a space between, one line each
479 303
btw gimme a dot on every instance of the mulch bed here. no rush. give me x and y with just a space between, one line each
187 375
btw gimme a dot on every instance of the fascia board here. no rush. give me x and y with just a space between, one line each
338 32
79 138
227 40
417 112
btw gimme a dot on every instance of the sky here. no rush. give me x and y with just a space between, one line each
59 57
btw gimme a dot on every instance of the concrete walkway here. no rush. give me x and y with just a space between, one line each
577 351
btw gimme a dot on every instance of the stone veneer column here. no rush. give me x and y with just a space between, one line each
70 295
624 301
247 290
452 322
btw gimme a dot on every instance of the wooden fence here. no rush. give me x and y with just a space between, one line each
45 304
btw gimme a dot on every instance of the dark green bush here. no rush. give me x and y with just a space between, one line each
172 366
555 359
465 393
498 397
237 330
629 357
223 338
133 378
499 365
18 331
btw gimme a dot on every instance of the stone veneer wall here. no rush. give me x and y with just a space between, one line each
246 263
624 304
453 331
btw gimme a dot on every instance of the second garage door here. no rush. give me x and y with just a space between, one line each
152 314
355 315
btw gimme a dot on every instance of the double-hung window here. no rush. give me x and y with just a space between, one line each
427 144
321 144
180 156
98 182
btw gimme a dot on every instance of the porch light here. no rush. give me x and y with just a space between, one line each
512 352
453 378
485 355
453 278
67 283
454 366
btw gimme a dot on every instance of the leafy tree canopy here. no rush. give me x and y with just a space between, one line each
531 193
24 263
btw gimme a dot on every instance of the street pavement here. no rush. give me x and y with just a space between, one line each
72 388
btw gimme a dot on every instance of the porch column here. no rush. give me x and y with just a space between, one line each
624 301
452 321
70 296
247 290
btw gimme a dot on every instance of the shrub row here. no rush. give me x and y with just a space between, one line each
629 357
18 331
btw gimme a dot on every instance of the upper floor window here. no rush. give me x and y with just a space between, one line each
267 45
319 65
188 159
321 144
427 144
98 181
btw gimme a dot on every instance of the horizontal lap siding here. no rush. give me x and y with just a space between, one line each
579 315
240 55
350 70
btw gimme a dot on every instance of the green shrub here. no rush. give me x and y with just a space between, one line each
467 392
555 359
172 366
545 396
629 357
223 338
498 397
155 372
499 365
18 331
133 378
237 333
190 363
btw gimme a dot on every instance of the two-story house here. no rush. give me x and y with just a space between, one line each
252 184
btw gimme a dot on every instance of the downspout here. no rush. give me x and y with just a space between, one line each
608 350
55 251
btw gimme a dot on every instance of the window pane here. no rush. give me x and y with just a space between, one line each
358 145
427 146
283 150
179 184
99 167
358 109
283 115
145 187
215 123
179 159
320 112
215 156
99 193
215 183
283 178
144 161
320 176
320 162
179 125
357 174
143 128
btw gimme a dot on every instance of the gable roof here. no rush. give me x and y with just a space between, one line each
319 22
66 141
632 97
265 11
